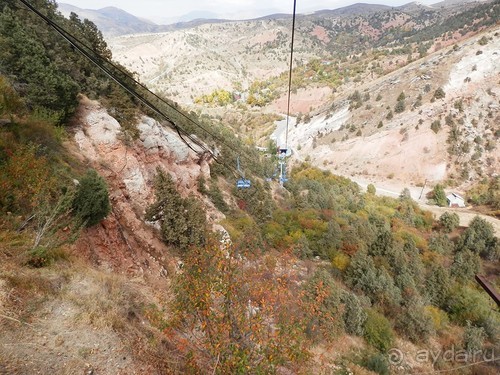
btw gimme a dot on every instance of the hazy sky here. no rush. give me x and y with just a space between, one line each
155 9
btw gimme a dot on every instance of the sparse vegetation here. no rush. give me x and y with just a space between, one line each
487 192
439 93
436 126
305 265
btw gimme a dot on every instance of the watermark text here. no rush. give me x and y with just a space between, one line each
456 355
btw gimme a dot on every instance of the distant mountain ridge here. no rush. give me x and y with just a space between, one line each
114 21
354 9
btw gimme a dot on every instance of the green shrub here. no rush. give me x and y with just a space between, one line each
440 243
465 265
405 195
382 244
439 318
182 220
378 331
439 195
377 363
376 283
436 126
491 325
10 102
91 201
201 185
459 104
217 198
354 314
449 221
479 238
483 41
42 257
415 323
437 284
473 338
439 93
467 304
400 106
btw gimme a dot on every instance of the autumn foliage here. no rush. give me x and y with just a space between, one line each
234 317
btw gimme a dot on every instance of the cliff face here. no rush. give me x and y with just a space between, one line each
123 241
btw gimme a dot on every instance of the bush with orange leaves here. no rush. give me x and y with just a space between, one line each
232 315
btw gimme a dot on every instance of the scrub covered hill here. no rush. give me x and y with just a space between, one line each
318 276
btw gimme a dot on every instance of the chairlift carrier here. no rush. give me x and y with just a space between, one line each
242 183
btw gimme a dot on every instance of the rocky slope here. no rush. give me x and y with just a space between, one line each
100 312
129 168
405 149
367 139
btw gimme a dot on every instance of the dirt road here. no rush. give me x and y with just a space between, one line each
418 194
465 215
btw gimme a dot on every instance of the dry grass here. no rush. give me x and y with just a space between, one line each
12 244
24 291
103 300
60 318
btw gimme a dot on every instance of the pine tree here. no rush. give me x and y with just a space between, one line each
91 202
182 221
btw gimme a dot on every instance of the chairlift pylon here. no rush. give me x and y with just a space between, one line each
282 171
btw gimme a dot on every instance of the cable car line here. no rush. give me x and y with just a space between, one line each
99 61
282 152
242 183
75 43
290 73
215 137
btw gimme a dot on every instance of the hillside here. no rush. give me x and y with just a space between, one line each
370 53
126 246
113 21
235 54
405 148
